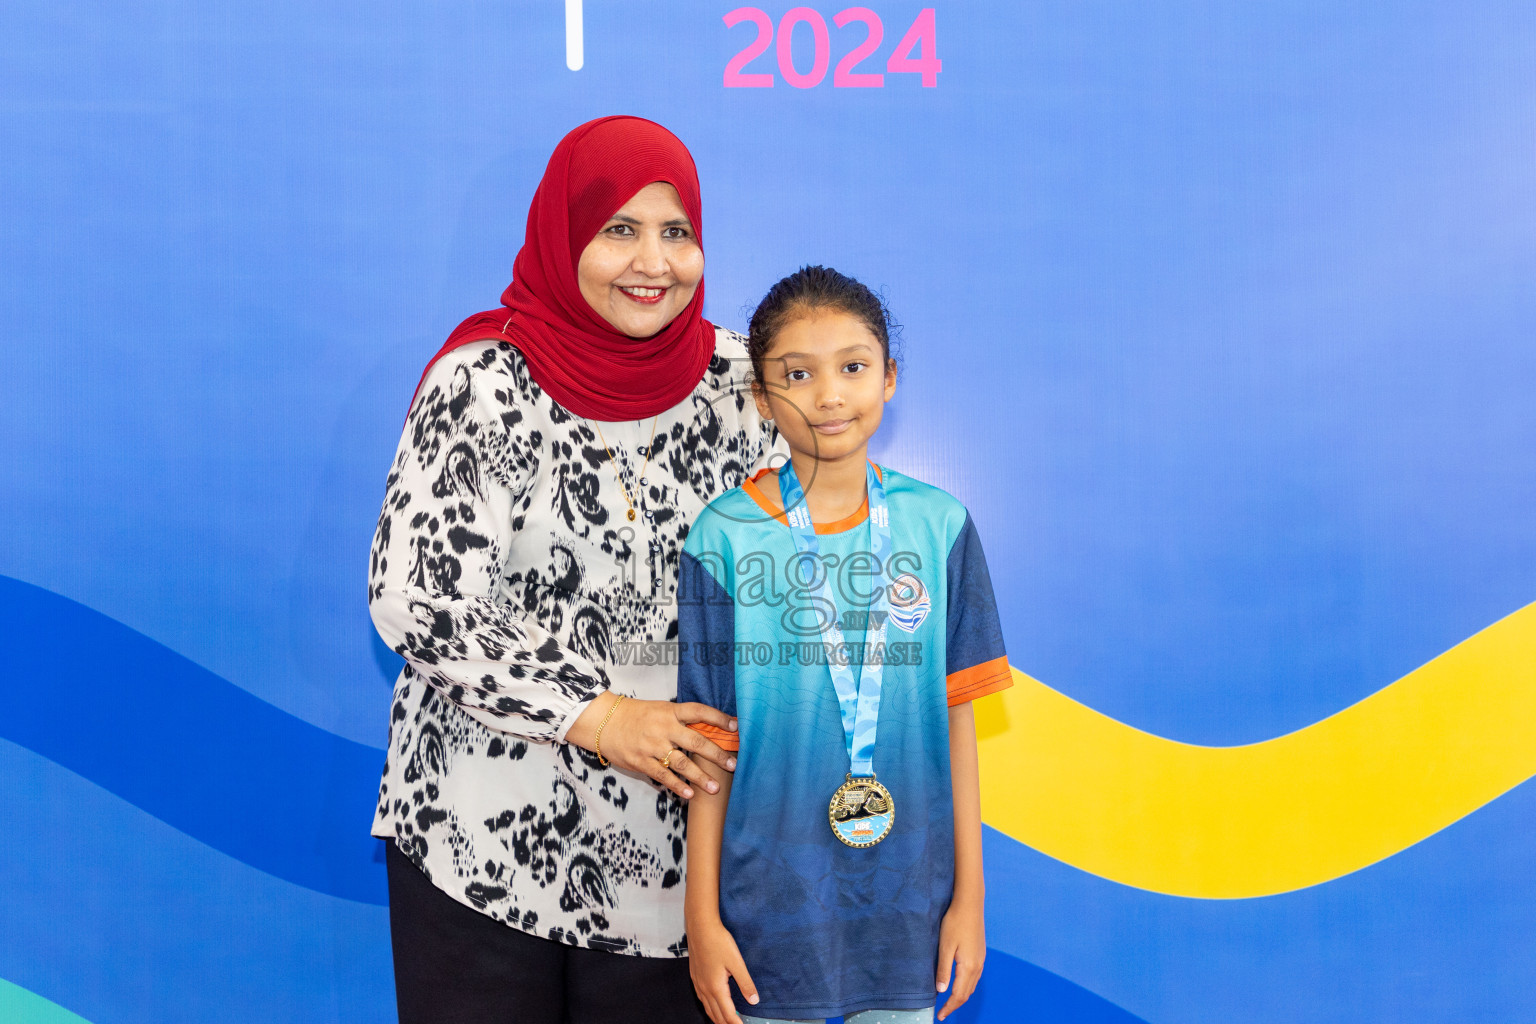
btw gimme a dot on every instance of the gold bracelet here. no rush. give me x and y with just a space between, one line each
597 738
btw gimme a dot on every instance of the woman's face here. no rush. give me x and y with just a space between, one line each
642 268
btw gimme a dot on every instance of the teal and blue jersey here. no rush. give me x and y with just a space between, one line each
828 929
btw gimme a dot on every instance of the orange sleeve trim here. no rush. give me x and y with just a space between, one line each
979 680
724 738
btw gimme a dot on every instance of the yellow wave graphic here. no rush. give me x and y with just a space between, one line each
1294 811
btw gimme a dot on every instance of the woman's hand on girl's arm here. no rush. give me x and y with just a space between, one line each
713 957
640 734
963 933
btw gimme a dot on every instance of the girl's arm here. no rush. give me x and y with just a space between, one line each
713 958
963 935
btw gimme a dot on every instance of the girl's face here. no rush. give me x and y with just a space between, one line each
642 268
825 383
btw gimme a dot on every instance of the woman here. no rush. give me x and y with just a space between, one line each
525 566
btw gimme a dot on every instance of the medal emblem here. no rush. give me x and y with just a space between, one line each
861 812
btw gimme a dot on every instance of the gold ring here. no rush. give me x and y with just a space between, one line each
666 762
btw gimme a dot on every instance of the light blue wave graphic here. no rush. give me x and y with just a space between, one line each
189 747
18 1006
122 919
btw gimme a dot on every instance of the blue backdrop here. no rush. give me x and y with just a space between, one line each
1218 316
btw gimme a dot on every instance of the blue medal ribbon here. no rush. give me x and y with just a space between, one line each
858 700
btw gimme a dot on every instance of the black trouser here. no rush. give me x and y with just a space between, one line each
454 965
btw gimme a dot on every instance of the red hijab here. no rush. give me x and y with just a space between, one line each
574 354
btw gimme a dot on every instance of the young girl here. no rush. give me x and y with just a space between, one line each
843 613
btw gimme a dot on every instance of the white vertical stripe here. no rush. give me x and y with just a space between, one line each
574 44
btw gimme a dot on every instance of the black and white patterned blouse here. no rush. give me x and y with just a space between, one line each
507 574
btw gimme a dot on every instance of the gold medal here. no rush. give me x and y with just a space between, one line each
862 812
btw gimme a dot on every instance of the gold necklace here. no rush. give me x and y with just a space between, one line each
615 463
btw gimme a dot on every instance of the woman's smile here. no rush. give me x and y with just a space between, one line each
645 296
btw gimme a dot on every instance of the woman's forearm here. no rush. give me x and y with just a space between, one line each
509 673
439 556
965 779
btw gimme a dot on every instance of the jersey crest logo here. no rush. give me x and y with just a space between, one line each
909 602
